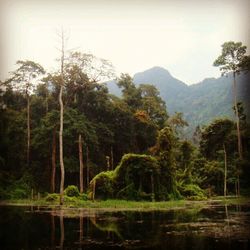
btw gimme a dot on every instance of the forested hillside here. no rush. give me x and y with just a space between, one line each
200 103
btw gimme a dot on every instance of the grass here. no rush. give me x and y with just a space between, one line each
73 202
100 204
232 200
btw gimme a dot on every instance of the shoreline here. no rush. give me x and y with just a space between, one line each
124 205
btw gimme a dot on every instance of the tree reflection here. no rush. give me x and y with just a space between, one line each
61 229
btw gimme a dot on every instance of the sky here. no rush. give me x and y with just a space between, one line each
185 37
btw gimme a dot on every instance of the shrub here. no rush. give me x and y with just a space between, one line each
131 179
104 184
193 192
84 197
52 197
72 191
71 199
19 193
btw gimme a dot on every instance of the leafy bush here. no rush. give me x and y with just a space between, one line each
72 191
19 193
71 199
19 189
83 196
52 197
193 192
130 180
104 184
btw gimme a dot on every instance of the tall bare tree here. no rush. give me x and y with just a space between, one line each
81 162
61 120
53 162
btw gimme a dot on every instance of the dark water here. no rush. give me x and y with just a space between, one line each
213 227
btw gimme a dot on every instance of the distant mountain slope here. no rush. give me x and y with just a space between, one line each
200 103
170 88
212 98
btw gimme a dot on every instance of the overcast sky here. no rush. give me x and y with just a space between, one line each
181 36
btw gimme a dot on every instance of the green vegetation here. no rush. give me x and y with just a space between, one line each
52 200
72 191
132 179
126 148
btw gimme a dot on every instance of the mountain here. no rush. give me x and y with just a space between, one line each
200 103
170 88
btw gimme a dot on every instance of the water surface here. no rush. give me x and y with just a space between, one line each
212 227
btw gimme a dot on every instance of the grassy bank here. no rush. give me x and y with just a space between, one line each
73 202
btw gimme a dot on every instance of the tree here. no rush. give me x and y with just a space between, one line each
245 63
131 95
177 122
214 138
45 146
61 121
164 150
233 59
153 104
77 130
197 135
23 79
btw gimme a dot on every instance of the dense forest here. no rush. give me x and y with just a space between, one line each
201 102
126 147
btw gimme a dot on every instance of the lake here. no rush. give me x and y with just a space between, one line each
210 227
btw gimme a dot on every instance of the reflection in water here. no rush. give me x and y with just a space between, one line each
228 222
52 230
81 227
61 229
213 227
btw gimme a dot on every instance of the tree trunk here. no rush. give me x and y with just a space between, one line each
61 148
53 163
237 118
93 190
87 164
225 170
61 124
152 188
238 186
28 130
238 129
112 158
81 162
108 163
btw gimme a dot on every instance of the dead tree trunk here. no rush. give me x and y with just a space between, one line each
53 163
87 164
61 123
81 162
238 128
237 118
28 130
112 158
108 162
152 188
225 170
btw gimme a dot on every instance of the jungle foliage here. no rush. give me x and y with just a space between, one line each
131 148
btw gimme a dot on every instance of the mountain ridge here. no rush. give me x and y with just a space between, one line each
201 102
